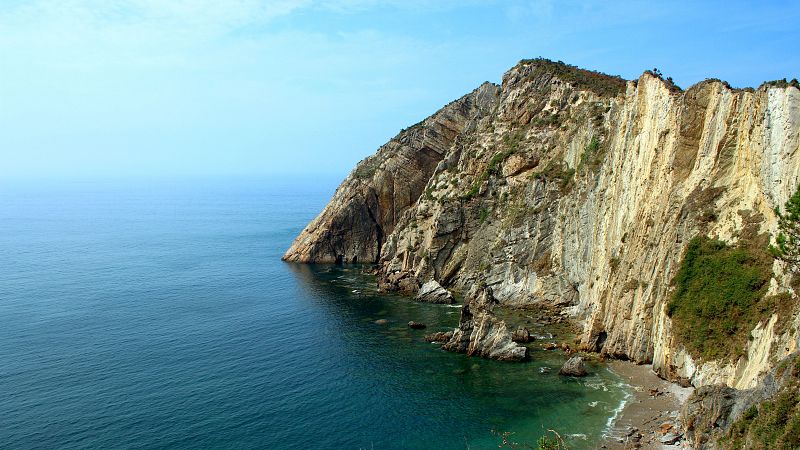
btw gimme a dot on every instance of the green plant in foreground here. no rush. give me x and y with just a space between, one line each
787 243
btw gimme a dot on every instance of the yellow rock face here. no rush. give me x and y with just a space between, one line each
505 187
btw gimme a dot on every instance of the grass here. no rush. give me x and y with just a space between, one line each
592 156
556 171
493 167
719 297
483 215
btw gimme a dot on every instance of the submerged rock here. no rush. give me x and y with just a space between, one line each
381 322
481 333
574 367
416 325
433 292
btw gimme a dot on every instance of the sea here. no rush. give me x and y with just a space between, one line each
158 314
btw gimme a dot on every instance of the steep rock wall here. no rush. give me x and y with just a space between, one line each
366 206
581 191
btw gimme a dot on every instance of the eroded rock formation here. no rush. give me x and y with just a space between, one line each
481 333
433 292
578 191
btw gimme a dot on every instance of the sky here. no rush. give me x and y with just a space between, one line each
152 88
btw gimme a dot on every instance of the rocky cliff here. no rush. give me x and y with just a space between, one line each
579 191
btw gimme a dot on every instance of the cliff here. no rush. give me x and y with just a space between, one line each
580 191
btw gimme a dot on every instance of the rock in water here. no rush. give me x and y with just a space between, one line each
443 336
433 292
381 322
522 335
574 367
416 325
481 333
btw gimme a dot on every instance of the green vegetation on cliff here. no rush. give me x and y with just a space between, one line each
787 242
719 297
598 82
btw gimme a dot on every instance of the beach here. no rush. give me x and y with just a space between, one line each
651 412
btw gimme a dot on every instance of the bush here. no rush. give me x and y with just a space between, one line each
592 156
367 167
719 297
787 242
597 82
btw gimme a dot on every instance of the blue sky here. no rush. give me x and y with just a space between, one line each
127 88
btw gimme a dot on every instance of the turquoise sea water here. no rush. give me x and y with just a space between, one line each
159 314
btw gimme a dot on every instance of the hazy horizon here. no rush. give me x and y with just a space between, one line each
149 89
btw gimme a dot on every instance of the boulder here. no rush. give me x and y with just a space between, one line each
522 335
442 336
481 333
574 367
416 325
433 292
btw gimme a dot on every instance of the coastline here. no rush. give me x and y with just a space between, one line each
642 421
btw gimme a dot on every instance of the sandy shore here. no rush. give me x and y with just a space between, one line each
645 413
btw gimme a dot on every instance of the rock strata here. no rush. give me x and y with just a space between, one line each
433 292
578 192
481 333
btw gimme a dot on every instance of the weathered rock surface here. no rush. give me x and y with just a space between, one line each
433 292
708 413
481 333
578 191
711 410
574 367
367 205
522 335
440 337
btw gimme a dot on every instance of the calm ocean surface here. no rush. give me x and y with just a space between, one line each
158 314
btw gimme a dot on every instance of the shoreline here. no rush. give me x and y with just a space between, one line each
644 417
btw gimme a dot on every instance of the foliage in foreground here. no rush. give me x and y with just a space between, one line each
787 243
546 442
719 297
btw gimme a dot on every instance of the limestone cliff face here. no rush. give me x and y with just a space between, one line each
580 191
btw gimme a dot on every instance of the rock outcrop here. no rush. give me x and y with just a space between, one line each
522 335
481 333
741 416
577 191
574 367
368 204
439 337
433 292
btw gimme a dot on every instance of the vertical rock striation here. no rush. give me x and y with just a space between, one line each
579 191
